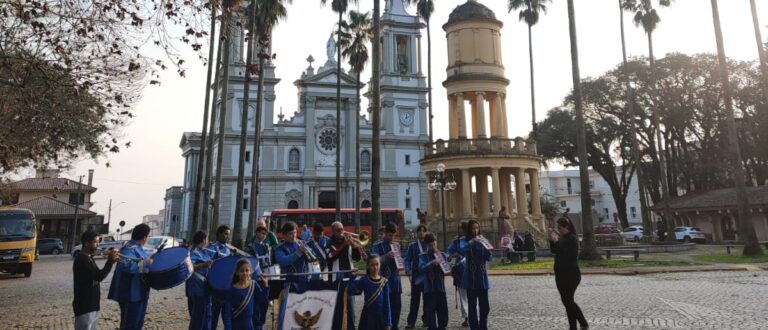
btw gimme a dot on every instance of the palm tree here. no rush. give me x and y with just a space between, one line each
376 114
204 136
589 247
268 13
746 227
760 51
529 12
647 223
425 8
647 17
340 7
355 36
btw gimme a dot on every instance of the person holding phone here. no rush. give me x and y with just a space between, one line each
565 245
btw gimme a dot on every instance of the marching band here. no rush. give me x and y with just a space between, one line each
244 298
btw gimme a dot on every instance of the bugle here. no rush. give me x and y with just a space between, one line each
358 240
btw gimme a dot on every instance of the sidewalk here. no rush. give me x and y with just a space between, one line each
638 270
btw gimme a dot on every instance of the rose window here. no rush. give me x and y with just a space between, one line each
327 139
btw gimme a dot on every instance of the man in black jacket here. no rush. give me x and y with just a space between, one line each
87 278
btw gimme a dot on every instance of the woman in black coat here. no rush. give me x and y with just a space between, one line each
565 245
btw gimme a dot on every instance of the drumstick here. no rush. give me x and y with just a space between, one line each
130 258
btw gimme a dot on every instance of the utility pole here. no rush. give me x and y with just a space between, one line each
77 208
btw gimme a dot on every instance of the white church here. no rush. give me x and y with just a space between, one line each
297 161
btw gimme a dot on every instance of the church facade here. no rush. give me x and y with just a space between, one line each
297 157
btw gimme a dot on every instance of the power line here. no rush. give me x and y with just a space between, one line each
140 183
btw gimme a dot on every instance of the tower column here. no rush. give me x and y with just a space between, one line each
480 110
535 198
496 196
504 128
522 208
510 197
457 197
482 194
462 115
498 118
503 190
466 193
453 126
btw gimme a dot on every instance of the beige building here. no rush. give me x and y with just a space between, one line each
489 167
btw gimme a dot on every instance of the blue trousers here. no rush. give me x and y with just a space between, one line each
436 310
413 312
219 307
132 315
199 312
394 306
475 297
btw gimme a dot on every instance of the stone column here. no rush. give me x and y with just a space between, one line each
510 197
473 105
462 115
504 127
504 190
480 106
466 193
457 197
452 122
535 201
481 180
496 196
418 53
498 119
522 207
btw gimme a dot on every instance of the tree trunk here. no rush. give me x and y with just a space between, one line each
194 226
589 245
357 157
746 227
534 126
429 79
253 214
375 113
227 35
647 223
338 120
760 51
237 237
209 144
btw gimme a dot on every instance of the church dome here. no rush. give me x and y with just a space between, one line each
471 10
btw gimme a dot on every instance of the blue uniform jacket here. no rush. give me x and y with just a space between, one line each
434 279
454 251
221 250
475 273
369 287
411 258
263 253
195 286
292 260
318 248
388 265
127 285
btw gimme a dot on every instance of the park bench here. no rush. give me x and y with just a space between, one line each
636 252
517 256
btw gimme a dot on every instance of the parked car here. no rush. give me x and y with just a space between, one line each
687 234
632 233
107 242
155 242
50 246
607 230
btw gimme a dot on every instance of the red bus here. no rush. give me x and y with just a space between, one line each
327 216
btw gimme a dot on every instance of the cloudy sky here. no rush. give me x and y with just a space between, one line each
139 175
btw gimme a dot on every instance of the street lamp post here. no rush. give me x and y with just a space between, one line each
441 182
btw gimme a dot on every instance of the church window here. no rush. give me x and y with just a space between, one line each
294 160
407 159
247 156
293 204
365 161
407 203
402 53
327 139
245 203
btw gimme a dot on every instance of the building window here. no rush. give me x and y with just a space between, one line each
570 190
605 210
407 203
327 139
293 160
562 204
407 159
402 53
245 203
365 161
247 156
591 184
73 198
633 211
293 204
592 202
245 191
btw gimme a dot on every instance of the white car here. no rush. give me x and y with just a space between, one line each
632 233
687 234
154 242
107 242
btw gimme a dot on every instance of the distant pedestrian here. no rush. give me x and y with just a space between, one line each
422 216
87 277
565 245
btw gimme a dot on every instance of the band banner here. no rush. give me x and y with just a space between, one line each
308 306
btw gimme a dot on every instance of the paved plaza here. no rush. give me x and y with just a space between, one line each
697 300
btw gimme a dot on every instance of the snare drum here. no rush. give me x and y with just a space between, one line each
169 268
272 270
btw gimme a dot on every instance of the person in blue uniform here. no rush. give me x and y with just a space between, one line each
245 296
457 270
293 257
198 299
389 270
376 314
435 302
127 287
220 249
565 245
475 277
317 243
262 252
415 249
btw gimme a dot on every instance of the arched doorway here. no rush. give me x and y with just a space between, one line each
326 200
293 204
366 204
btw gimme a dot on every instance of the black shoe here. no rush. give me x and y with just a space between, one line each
465 323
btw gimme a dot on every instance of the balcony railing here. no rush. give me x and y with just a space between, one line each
488 146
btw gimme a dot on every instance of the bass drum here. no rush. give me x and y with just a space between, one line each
169 268
222 273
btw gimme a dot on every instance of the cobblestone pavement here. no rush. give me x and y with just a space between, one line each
711 300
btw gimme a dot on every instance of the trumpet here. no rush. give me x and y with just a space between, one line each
307 251
358 240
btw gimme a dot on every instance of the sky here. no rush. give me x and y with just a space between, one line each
138 176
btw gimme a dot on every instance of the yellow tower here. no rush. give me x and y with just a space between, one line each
490 169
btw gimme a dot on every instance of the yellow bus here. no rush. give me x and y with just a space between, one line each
18 240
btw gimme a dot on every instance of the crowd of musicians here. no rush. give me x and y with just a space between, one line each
246 304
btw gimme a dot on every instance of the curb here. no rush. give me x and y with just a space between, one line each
634 271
